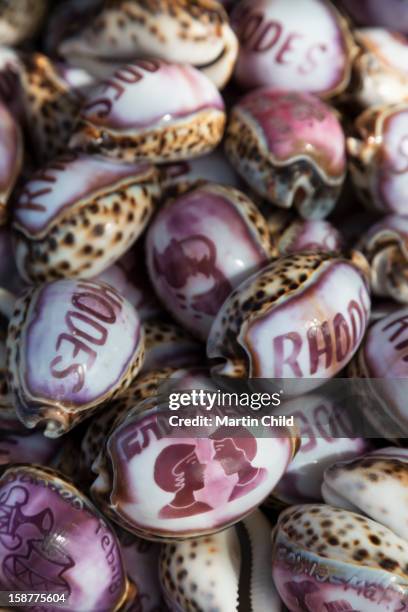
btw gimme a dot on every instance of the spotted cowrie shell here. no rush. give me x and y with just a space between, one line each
375 485
20 20
78 215
152 109
199 247
289 234
54 540
327 435
196 484
196 33
327 559
226 571
310 49
169 346
290 148
378 158
72 345
385 245
292 320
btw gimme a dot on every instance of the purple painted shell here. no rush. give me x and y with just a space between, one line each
195 485
52 539
289 234
378 158
290 148
327 559
197 33
385 245
152 109
228 571
11 156
199 247
79 214
309 49
290 320
71 346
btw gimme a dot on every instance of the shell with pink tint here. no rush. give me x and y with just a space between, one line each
11 158
383 355
326 435
176 484
392 14
20 20
169 346
152 109
289 234
199 247
309 49
23 446
375 485
129 277
177 177
327 559
385 245
78 215
290 148
380 67
196 33
302 316
50 99
54 540
141 561
72 345
228 571
378 153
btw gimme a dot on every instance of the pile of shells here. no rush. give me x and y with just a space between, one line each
195 196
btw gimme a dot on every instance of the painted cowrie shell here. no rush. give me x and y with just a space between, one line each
128 275
199 247
290 320
327 559
71 346
326 435
385 245
178 177
383 355
290 148
53 539
375 485
392 15
50 101
20 20
11 153
226 571
378 158
289 234
196 485
196 33
152 109
310 49
170 346
79 214
380 69
141 560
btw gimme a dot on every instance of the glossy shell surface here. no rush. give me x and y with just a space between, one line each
289 234
79 214
152 109
290 148
309 49
72 345
52 539
228 571
199 247
356 562
291 320
11 155
378 158
197 33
